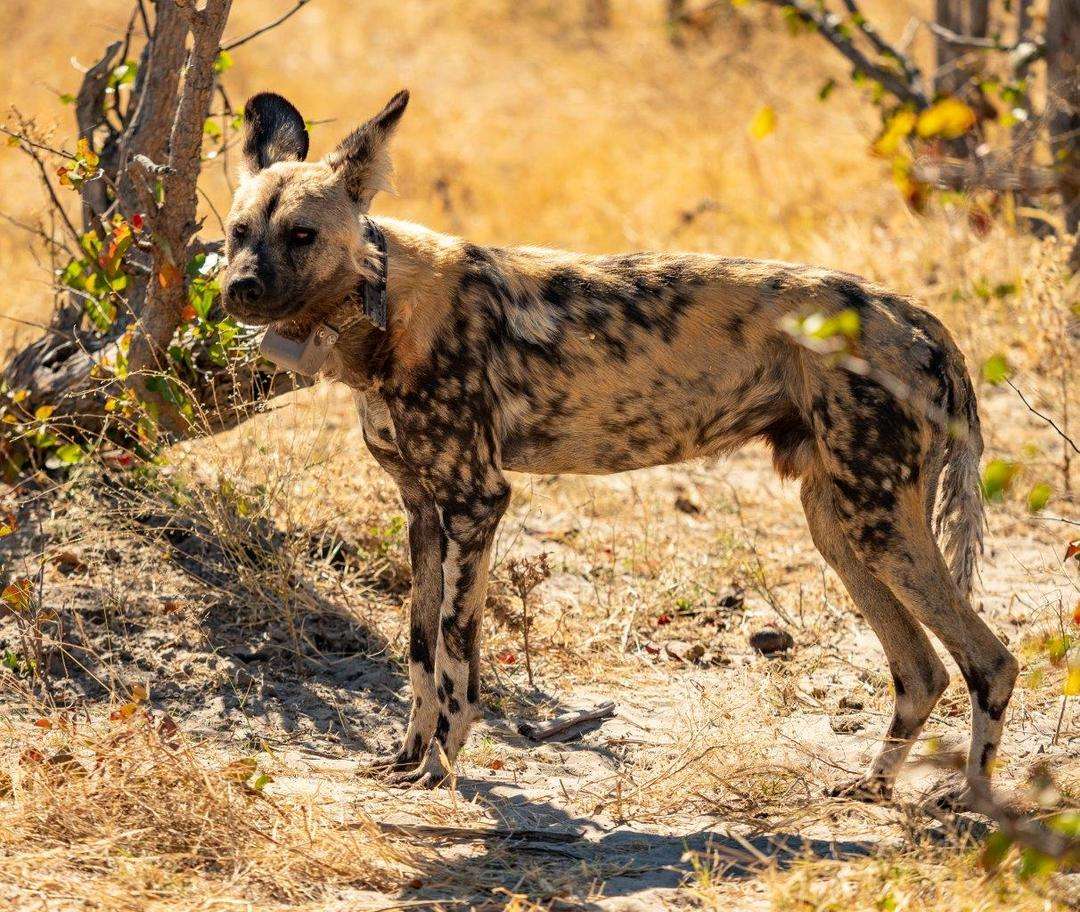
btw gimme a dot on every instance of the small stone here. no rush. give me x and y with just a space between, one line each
685 505
684 652
733 600
771 640
846 725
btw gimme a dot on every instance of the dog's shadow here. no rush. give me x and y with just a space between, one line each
548 854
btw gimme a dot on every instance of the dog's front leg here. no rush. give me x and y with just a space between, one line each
426 548
469 521
425 555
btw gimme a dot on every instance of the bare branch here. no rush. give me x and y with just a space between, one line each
830 26
31 149
1023 52
990 172
244 39
88 101
33 144
911 72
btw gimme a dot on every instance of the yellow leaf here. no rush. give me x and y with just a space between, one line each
139 693
1072 682
43 412
124 713
949 118
20 395
763 122
16 595
169 275
240 771
896 130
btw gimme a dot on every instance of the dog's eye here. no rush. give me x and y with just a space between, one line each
301 237
239 232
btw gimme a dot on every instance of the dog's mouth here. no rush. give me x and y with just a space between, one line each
262 316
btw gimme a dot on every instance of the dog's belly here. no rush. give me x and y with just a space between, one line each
603 449
539 454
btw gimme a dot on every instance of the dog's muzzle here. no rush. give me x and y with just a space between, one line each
307 356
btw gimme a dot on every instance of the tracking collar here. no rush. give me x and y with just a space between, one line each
307 356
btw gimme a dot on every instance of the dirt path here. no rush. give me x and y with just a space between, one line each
705 787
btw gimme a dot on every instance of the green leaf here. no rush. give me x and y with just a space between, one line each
995 370
998 477
260 782
1034 864
994 851
1038 497
69 453
827 89
223 62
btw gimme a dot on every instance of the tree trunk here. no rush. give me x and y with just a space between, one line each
1063 107
156 138
970 18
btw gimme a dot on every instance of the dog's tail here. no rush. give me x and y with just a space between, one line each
961 519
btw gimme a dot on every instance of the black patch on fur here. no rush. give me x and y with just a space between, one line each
420 648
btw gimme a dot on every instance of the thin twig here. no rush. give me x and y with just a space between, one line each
244 39
880 44
1045 418
25 140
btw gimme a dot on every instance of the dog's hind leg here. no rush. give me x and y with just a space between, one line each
917 574
919 677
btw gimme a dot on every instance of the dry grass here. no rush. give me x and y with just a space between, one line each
127 814
282 538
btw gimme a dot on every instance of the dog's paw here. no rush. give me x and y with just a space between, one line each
951 795
871 789
387 764
431 773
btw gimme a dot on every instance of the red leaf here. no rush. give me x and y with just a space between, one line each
137 221
665 618
506 657
1074 549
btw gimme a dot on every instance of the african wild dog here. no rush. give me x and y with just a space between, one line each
531 360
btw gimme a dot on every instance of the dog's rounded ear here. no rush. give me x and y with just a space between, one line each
362 159
274 131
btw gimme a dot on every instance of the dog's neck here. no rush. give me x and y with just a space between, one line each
416 262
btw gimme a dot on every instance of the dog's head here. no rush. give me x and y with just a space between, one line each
294 239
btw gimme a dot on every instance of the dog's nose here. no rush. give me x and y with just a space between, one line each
245 289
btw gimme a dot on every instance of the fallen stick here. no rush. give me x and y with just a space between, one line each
478 833
542 731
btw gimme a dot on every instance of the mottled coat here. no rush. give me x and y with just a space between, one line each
535 360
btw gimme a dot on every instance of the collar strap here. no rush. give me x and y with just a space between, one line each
373 294
307 356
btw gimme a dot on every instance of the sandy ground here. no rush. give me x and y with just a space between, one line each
711 770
